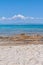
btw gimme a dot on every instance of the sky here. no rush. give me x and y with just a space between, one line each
21 11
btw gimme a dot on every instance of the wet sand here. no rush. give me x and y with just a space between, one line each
21 39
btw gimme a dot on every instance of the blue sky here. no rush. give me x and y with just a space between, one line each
21 11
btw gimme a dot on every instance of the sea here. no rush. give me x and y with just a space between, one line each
9 30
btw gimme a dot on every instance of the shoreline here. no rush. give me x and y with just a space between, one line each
21 39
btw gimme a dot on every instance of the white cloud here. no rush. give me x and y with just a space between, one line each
19 16
22 17
3 18
14 17
39 18
31 18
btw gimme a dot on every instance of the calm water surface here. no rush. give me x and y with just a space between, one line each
18 29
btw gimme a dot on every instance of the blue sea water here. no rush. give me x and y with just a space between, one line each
18 29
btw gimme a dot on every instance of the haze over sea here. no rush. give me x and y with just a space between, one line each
18 29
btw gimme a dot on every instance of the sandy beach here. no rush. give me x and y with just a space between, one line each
21 39
21 49
21 32
21 55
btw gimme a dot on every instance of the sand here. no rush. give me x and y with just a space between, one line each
21 55
21 50
21 39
